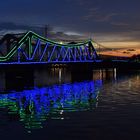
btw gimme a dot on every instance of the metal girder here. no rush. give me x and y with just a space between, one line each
34 48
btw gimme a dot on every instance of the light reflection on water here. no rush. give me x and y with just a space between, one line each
37 105
103 102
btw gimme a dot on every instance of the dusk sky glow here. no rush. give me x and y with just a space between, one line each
107 21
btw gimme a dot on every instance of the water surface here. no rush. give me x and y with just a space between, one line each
60 104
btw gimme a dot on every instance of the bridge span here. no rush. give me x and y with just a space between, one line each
33 50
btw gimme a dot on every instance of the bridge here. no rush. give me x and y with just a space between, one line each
32 48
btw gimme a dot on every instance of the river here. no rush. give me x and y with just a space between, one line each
59 104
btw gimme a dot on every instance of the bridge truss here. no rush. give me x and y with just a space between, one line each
33 48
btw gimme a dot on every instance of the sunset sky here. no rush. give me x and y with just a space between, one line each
113 23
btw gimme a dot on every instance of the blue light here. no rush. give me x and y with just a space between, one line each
37 46
43 52
65 52
36 105
52 62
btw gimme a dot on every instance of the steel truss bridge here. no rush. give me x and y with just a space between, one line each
33 48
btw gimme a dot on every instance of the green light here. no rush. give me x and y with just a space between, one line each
56 43
13 51
28 36
30 46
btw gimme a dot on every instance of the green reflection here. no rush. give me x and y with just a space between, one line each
36 106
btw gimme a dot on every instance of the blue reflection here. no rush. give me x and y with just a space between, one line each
37 105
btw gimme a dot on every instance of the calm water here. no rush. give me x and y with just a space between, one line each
58 104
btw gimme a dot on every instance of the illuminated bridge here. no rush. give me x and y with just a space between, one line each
32 48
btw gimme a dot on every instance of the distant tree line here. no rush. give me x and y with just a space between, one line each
135 58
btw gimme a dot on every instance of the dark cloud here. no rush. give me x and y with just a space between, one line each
9 27
120 24
6 27
12 26
99 17
95 16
